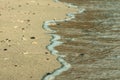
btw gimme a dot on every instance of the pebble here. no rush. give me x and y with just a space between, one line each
47 59
46 53
32 37
28 20
5 49
48 73
15 65
23 29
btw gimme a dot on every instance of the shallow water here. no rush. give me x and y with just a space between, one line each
91 42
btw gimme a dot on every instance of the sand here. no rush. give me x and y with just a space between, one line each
23 41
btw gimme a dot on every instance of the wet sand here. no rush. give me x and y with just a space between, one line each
23 53
91 41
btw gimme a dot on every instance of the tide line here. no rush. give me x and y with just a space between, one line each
54 42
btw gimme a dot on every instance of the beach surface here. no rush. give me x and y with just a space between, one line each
23 41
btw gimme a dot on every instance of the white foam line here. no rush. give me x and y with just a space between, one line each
54 42
46 23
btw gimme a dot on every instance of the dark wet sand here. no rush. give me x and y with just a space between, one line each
91 41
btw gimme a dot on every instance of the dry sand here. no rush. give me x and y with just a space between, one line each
23 53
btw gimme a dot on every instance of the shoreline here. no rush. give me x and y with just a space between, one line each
54 42
91 41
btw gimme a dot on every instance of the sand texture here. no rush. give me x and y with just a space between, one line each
91 41
23 53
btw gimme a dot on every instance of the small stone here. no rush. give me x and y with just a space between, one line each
32 37
47 59
7 39
46 52
23 28
5 49
82 54
48 73
28 20
15 65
